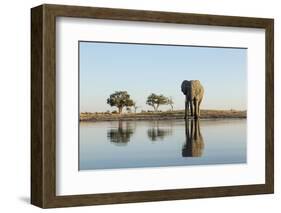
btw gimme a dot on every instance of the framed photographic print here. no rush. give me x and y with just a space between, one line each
136 106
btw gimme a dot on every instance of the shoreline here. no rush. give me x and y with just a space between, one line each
171 115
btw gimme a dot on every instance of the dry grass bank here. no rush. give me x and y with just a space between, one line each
179 114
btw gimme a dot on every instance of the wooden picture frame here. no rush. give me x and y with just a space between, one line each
43 105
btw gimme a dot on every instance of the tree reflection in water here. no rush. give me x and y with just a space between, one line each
122 134
157 133
194 144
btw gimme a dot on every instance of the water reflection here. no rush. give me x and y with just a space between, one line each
194 144
157 133
99 146
122 134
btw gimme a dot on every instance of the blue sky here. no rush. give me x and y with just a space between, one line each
145 69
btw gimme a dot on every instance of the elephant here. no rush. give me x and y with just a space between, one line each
194 144
194 92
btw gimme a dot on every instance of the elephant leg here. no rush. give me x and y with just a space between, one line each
188 105
186 109
199 103
191 108
195 109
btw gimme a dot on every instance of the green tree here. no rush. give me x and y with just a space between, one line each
120 99
156 100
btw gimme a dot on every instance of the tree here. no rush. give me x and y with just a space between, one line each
170 101
156 100
120 99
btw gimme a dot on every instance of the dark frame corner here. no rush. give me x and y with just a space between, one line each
43 105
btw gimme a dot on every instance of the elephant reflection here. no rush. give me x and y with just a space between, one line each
156 133
194 144
122 134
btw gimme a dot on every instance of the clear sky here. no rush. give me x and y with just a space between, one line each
144 69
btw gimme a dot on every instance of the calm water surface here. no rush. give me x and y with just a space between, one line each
132 144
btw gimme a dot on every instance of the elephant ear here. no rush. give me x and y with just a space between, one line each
184 86
201 89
